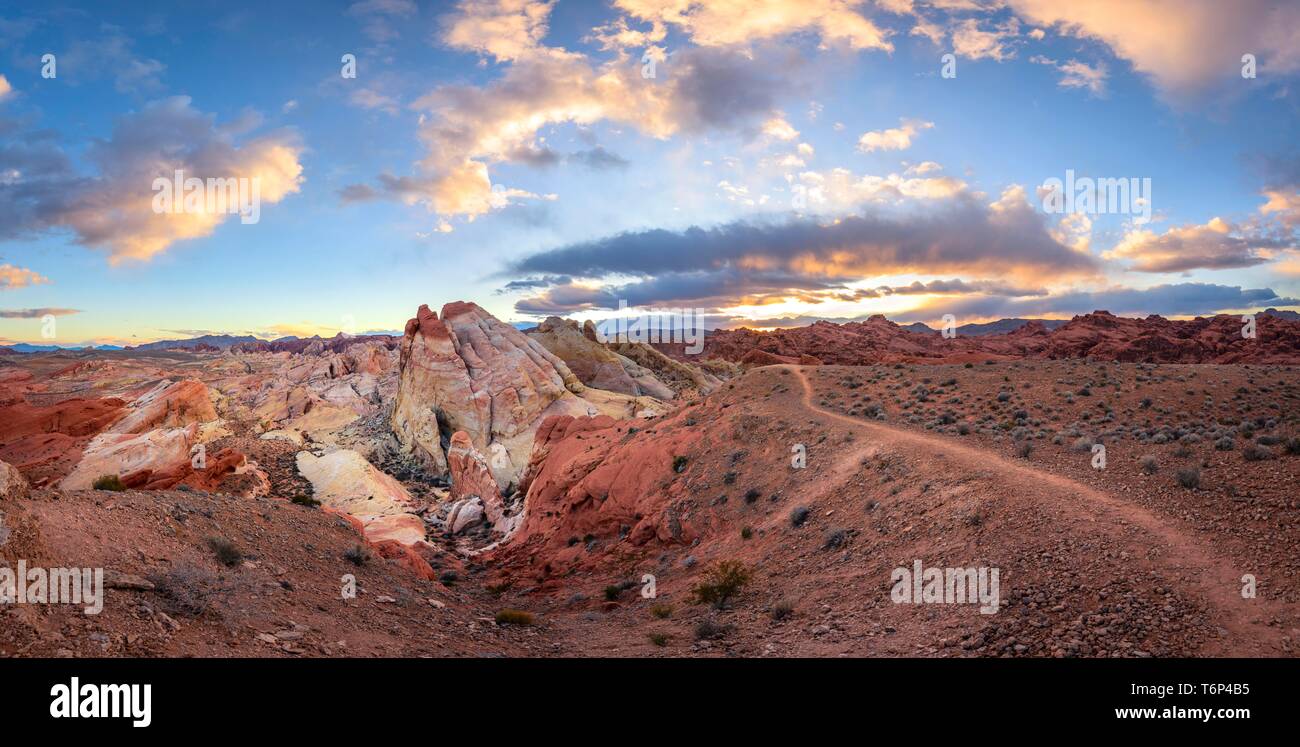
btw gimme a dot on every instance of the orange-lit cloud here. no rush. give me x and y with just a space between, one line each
18 277
741 22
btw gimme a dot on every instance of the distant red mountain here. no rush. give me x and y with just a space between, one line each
1099 335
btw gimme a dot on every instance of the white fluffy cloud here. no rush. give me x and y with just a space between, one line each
739 22
896 138
1184 45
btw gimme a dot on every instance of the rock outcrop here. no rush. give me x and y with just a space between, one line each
168 405
12 483
343 480
594 364
467 371
162 452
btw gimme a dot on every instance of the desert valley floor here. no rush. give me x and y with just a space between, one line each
504 493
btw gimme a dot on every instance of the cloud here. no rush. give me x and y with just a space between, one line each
995 43
839 190
111 55
466 129
1005 240
36 313
1185 46
741 22
378 17
1216 245
5 89
504 29
897 138
1075 74
113 208
18 277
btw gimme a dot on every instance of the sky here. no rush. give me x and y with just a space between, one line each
766 162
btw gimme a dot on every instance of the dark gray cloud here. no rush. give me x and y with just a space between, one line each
717 265
36 313
1178 299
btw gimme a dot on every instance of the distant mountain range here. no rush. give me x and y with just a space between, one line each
26 347
1000 327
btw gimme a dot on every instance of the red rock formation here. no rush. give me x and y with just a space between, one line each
470 476
1099 335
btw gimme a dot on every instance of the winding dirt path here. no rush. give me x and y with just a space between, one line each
1183 557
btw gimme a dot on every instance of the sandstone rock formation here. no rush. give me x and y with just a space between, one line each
12 483
162 451
168 405
594 364
468 371
344 481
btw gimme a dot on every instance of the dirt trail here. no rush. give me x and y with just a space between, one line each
1182 558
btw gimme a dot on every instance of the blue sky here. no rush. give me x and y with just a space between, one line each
786 161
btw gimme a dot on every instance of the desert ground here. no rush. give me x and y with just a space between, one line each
502 493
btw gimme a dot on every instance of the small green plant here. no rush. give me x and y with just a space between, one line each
721 582
746 533
659 639
611 592
1189 477
108 482
662 611
449 578
302 499
227 553
679 464
514 617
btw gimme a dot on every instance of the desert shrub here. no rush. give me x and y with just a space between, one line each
708 630
1293 445
752 495
679 464
782 609
448 578
302 499
514 617
1149 464
228 554
720 583
729 478
1189 477
659 639
1024 449
1255 453
799 515
835 539
612 592
1225 444
186 589
357 555
108 482
662 611
746 533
